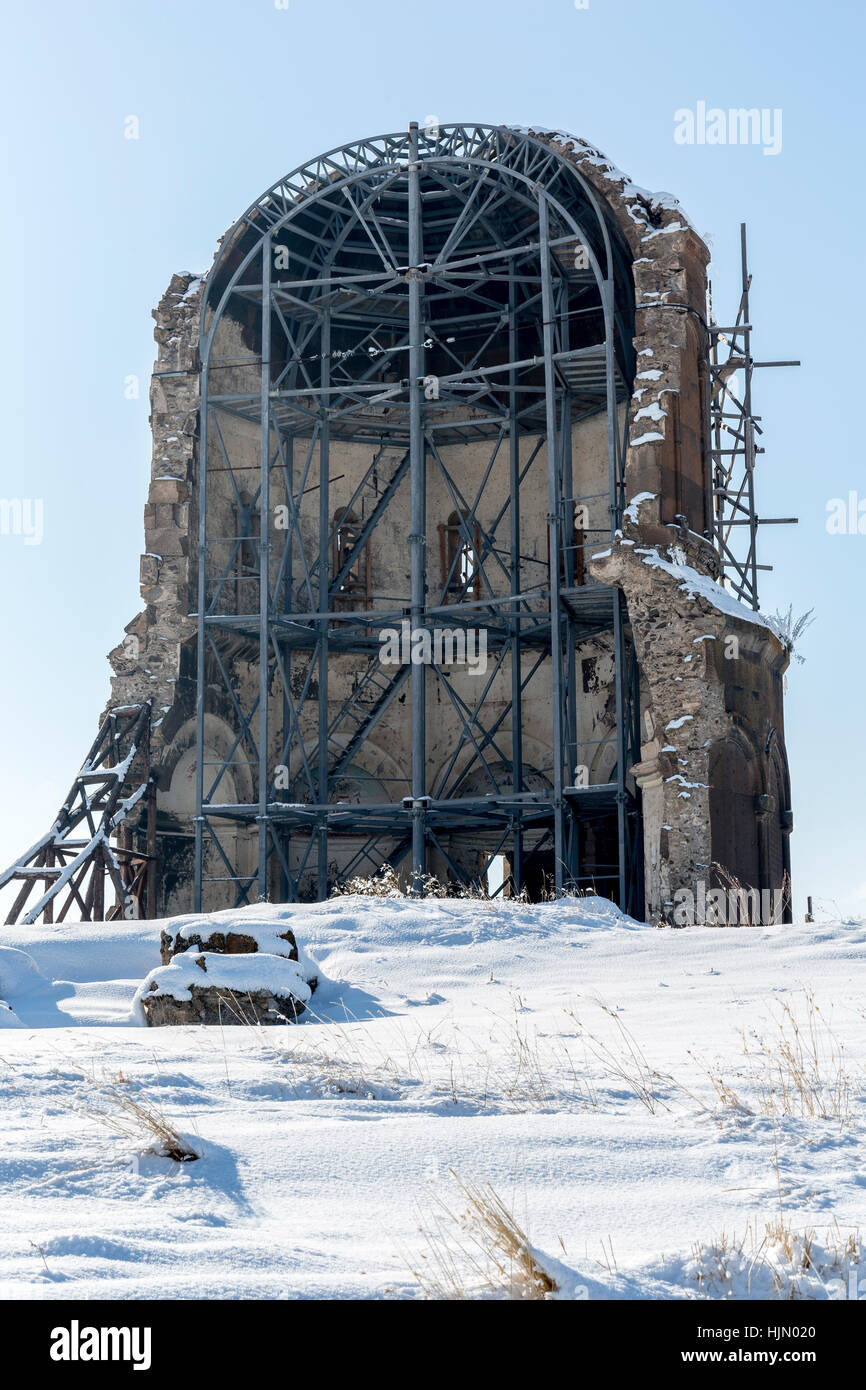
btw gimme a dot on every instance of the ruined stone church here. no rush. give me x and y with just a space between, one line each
462 379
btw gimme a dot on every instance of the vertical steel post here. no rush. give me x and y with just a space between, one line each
324 585
200 642
418 500
615 509
288 590
613 469
621 744
264 570
150 876
553 537
748 424
570 713
514 572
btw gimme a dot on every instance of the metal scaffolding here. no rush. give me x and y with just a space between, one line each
406 293
92 838
734 450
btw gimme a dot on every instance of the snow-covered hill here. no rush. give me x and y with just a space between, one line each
664 1113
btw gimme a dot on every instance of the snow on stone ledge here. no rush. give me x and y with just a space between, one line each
632 510
278 975
698 585
263 923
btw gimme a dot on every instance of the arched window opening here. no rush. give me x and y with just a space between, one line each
355 589
461 566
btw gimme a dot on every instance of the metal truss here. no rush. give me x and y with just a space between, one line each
733 452
405 294
77 864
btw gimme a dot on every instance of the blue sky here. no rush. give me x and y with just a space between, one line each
229 96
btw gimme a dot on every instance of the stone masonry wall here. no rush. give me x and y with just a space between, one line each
686 647
148 662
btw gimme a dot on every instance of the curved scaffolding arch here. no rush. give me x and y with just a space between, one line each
410 244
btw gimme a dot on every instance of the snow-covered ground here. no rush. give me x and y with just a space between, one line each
665 1113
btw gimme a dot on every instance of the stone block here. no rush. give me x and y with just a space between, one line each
230 943
149 570
167 491
210 988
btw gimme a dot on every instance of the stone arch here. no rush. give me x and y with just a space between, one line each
777 820
176 777
734 767
640 242
603 765
467 772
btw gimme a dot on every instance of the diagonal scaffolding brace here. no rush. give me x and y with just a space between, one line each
78 853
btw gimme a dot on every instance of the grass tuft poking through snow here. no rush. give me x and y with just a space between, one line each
109 1105
480 1252
624 1059
799 1070
777 1262
386 883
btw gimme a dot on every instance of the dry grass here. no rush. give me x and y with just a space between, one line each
777 1261
140 1119
535 1076
106 1101
348 1059
624 1059
386 883
480 1252
804 1069
512 1070
749 903
798 1070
